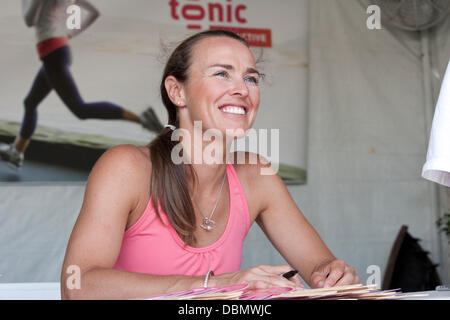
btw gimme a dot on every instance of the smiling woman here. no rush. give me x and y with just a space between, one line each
150 226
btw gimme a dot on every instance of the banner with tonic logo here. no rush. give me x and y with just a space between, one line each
117 51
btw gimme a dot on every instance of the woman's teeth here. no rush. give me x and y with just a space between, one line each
234 110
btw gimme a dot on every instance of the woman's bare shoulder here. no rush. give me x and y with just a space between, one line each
122 174
126 154
126 163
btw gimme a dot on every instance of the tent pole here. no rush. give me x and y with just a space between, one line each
429 112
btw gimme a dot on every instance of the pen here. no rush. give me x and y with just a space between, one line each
289 274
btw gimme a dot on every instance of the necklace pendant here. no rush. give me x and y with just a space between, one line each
208 224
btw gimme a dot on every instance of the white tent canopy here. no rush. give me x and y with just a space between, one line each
366 142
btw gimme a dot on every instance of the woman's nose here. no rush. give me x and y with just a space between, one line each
239 87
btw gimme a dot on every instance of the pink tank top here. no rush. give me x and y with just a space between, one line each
151 247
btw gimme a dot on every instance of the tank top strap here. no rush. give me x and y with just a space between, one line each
239 205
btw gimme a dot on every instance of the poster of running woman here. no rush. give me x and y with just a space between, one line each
81 76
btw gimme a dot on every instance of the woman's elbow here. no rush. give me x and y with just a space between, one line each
69 294
70 284
29 22
95 14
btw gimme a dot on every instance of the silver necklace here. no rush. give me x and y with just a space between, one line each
208 223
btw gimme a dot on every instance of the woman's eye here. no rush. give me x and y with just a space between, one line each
253 80
221 74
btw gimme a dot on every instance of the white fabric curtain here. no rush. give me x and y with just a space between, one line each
366 148
367 139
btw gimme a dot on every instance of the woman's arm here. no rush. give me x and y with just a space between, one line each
294 237
114 191
86 21
31 10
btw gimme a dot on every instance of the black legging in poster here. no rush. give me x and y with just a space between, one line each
55 74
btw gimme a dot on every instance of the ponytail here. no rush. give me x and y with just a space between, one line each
169 180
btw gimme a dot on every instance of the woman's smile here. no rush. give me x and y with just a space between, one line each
234 109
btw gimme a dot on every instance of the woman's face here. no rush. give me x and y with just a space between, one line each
222 86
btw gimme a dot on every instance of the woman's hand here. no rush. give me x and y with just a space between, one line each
333 273
259 277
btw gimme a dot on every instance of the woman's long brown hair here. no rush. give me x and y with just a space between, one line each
168 180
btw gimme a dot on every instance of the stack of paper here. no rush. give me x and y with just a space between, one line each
221 293
241 292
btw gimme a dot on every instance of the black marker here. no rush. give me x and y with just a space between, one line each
289 274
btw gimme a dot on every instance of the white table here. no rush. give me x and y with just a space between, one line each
51 291
431 295
30 291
